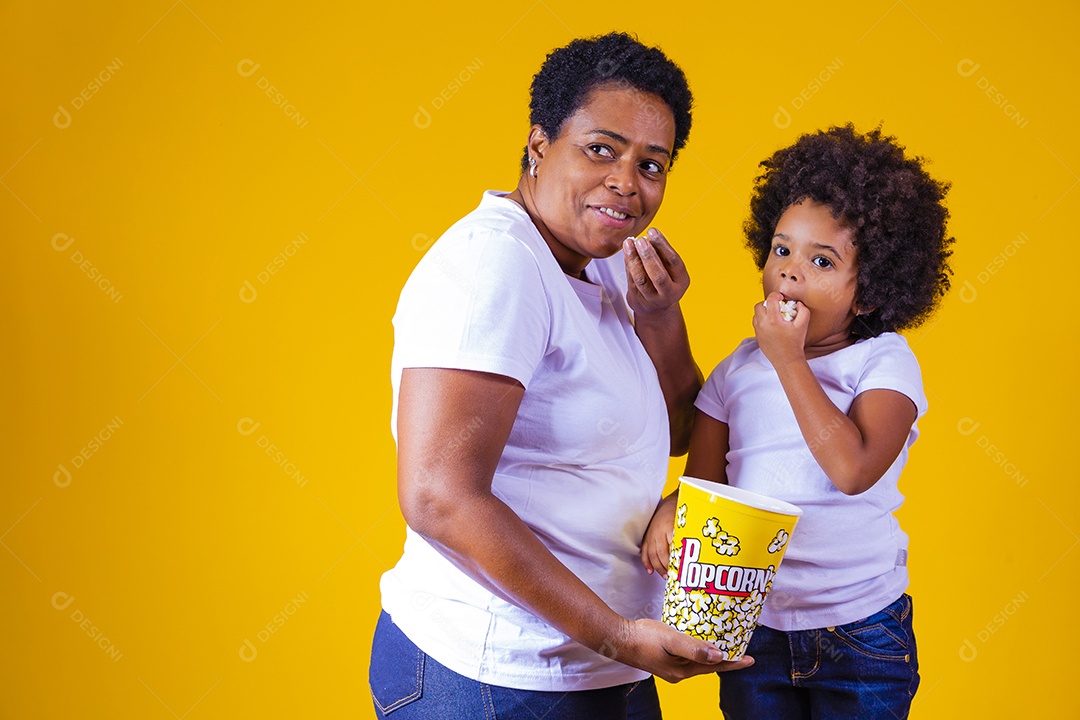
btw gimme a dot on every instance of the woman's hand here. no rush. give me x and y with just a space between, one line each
667 653
657 280
782 341
656 545
657 276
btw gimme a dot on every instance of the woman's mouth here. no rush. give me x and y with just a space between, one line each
613 217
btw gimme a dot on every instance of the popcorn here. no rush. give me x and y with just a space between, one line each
725 621
779 541
725 543
787 310
709 593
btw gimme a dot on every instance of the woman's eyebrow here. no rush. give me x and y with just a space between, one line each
620 139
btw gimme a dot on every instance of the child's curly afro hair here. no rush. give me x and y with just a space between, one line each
896 209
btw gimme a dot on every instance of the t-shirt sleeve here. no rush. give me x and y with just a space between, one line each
476 301
892 366
710 399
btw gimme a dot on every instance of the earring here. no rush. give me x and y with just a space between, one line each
532 167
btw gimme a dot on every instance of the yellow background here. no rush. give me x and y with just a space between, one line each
179 181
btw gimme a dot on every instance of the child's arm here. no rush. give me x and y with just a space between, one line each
708 461
855 449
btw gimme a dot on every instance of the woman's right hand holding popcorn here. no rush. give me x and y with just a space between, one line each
667 653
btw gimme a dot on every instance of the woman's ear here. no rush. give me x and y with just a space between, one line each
538 143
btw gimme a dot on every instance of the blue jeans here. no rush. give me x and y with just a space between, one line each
867 669
407 684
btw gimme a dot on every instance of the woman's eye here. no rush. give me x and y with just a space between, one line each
602 150
651 166
823 262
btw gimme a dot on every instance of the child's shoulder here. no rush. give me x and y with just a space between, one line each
888 343
742 354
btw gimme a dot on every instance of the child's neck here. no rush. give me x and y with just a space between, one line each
830 345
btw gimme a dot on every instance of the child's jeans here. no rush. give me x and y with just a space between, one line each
867 669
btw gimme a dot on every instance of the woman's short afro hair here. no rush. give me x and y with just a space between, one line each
896 209
571 72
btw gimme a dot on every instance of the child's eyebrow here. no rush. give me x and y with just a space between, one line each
829 248
816 246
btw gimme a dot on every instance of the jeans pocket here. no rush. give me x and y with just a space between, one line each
884 635
396 674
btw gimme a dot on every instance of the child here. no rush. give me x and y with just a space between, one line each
820 411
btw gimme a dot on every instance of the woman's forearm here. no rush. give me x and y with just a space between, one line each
667 342
494 546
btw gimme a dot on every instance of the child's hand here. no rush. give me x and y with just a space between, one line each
656 545
781 340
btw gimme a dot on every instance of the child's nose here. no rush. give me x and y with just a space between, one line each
788 274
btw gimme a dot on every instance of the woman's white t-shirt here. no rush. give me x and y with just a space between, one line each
585 462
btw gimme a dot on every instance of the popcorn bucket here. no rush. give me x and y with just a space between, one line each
727 547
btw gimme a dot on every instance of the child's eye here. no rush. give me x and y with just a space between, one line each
602 150
822 262
781 250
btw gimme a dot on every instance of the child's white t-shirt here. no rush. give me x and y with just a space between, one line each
847 556
586 460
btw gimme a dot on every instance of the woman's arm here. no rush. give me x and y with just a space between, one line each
657 279
452 428
855 449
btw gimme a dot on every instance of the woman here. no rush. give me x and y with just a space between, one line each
533 393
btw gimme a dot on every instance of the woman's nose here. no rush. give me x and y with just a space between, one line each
622 179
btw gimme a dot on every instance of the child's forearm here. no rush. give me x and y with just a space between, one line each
835 441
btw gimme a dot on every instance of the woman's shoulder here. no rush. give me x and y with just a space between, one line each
498 216
497 235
